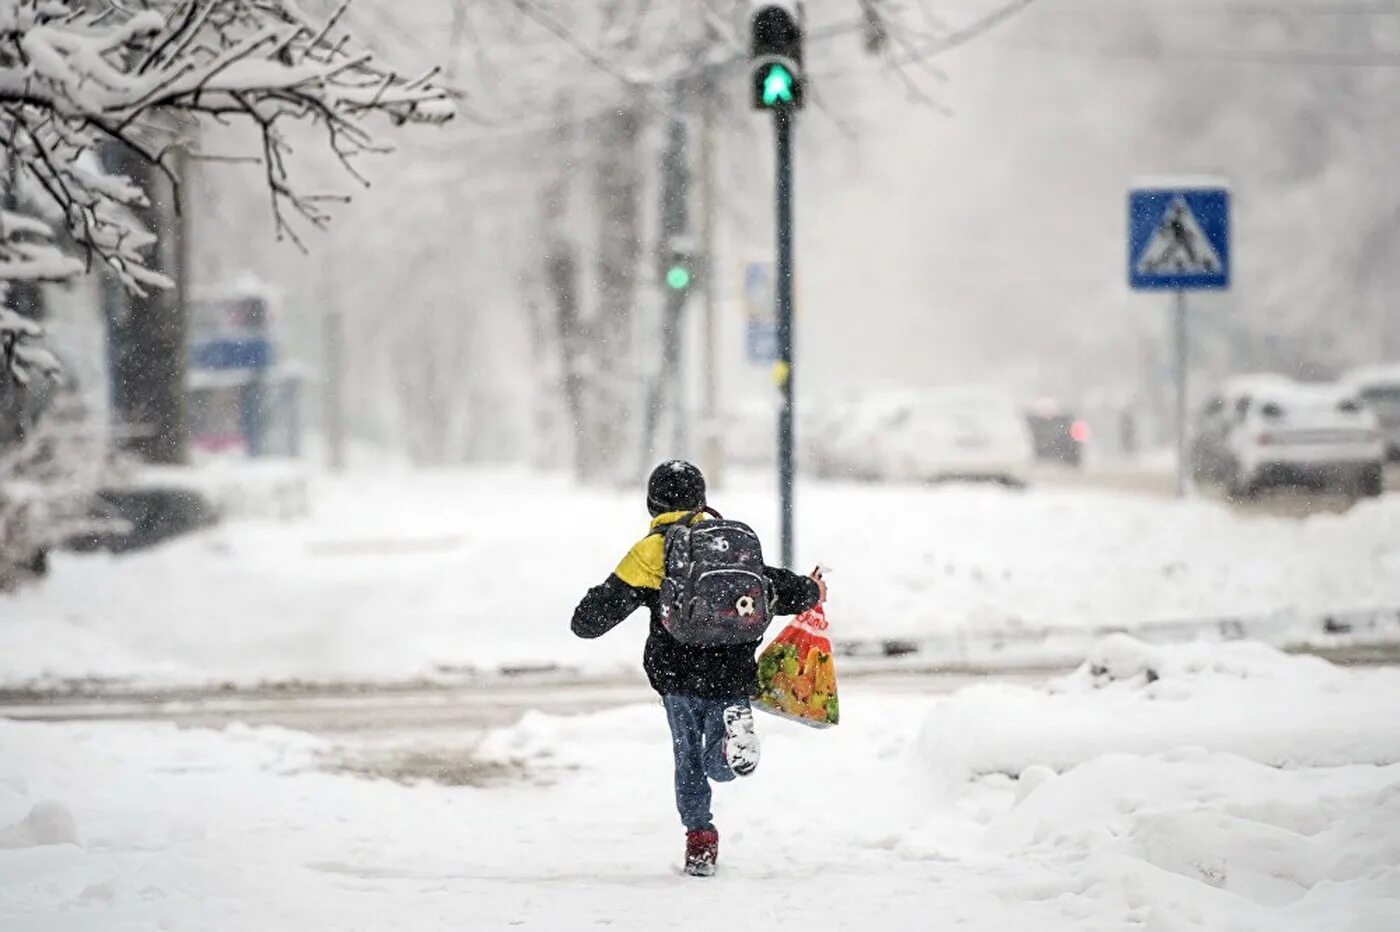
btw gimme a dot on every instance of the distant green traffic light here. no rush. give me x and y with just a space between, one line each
777 86
677 277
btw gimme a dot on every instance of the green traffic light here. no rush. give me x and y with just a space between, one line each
777 86
677 277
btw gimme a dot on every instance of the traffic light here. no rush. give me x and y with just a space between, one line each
678 277
775 55
680 271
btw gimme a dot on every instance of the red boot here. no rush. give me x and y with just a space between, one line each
701 852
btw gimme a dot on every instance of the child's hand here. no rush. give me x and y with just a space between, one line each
816 576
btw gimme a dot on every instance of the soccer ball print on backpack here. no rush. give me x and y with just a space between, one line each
713 586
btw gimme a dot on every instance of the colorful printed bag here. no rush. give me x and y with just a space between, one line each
797 673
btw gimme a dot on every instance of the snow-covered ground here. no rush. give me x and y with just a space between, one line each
398 575
1179 788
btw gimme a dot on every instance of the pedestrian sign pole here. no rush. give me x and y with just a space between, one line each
1183 407
1179 240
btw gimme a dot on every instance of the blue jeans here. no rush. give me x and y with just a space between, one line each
697 738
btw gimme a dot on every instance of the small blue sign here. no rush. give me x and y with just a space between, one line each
762 341
1179 238
227 353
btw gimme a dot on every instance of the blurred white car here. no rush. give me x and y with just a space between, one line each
821 417
1379 388
959 434
1287 433
844 438
1213 434
873 430
751 432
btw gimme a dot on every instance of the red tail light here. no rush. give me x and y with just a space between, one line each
1079 432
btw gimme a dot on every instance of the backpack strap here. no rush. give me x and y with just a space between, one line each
686 519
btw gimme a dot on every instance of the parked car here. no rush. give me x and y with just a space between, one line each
1057 436
1262 431
1212 456
959 433
857 444
822 419
1379 388
750 432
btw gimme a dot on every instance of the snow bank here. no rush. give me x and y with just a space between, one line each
1248 699
1196 840
240 489
1201 786
48 823
404 575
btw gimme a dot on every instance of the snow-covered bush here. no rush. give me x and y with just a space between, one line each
48 480
27 253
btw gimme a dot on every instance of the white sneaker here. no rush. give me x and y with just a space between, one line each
740 740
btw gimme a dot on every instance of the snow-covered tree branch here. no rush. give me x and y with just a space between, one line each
77 75
27 253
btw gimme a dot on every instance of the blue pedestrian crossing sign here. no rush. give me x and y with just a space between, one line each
1179 238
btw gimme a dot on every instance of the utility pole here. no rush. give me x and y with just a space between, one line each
777 85
678 272
712 446
333 352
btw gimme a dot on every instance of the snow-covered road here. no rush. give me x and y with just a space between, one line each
1203 787
341 708
1206 786
394 577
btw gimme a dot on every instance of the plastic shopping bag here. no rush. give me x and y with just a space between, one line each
797 673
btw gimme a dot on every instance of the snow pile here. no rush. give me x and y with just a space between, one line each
1211 787
267 488
48 823
1196 840
405 575
1243 698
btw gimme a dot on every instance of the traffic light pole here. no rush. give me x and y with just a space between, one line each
669 372
782 125
775 57
676 282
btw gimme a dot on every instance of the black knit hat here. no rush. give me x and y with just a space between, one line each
675 486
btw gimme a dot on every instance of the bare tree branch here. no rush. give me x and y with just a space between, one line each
224 58
75 77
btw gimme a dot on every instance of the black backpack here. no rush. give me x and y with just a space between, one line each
713 588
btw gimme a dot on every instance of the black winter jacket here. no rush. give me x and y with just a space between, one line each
674 668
